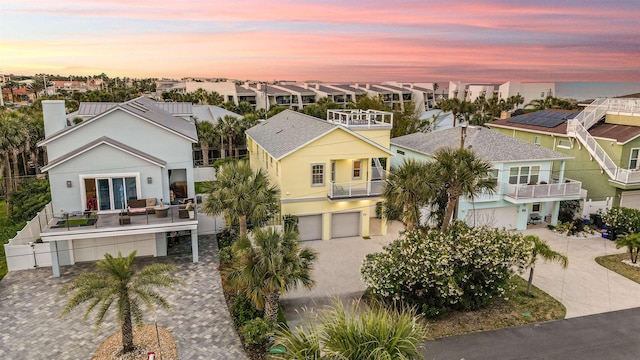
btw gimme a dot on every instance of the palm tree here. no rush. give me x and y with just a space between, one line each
12 134
207 137
453 105
229 127
376 333
115 281
632 242
269 265
405 191
460 172
241 194
541 248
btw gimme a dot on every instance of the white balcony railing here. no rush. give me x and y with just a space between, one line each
355 189
571 189
361 118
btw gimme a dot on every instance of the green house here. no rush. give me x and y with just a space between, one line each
603 139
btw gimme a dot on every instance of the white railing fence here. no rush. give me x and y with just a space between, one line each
355 189
569 189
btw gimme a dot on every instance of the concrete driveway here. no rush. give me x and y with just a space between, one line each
585 287
336 271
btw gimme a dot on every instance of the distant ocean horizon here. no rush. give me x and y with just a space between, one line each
591 90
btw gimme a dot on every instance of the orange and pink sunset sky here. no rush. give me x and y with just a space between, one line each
328 40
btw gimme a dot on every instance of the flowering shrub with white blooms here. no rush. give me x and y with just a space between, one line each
462 269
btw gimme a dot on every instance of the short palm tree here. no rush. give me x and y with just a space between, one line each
454 106
460 172
375 333
542 249
269 265
632 243
208 136
405 191
116 282
240 194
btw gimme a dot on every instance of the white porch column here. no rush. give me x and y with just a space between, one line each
55 264
194 245
555 210
561 176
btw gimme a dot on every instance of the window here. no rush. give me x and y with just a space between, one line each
633 159
400 152
333 171
564 144
357 169
493 176
524 175
536 140
535 207
317 175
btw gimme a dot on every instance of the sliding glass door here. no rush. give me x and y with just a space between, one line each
114 193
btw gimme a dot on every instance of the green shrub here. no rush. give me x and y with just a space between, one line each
290 223
621 221
226 257
243 310
226 238
30 197
374 333
257 331
461 269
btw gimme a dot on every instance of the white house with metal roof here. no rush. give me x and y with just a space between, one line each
118 155
526 189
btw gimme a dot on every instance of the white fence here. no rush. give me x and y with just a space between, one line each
204 173
23 251
592 207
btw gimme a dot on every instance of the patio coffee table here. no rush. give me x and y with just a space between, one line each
162 211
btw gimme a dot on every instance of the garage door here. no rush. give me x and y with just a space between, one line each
630 199
310 227
345 224
506 217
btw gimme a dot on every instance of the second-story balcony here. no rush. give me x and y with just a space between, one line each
361 118
355 189
568 190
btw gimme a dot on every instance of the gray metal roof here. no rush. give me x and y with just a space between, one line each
488 144
211 113
94 108
176 108
287 131
242 91
107 141
147 109
395 88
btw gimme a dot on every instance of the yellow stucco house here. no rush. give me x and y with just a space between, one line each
329 171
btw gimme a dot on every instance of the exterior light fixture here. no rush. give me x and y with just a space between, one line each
149 180
68 183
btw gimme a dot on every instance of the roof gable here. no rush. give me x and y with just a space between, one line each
104 141
290 130
142 108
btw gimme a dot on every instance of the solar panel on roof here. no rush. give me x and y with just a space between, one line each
548 119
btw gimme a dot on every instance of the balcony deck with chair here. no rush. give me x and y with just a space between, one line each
355 189
567 190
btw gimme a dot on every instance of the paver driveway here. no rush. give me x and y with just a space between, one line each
199 321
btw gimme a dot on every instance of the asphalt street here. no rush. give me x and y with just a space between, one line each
608 336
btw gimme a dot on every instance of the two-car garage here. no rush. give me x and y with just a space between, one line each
342 225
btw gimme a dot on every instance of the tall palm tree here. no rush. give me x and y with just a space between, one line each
453 105
12 135
115 281
460 172
229 127
542 249
241 194
405 191
207 137
268 266
632 243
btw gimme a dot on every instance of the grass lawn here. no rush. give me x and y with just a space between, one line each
615 264
73 222
520 309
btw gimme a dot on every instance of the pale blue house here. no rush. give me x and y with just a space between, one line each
120 167
527 191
